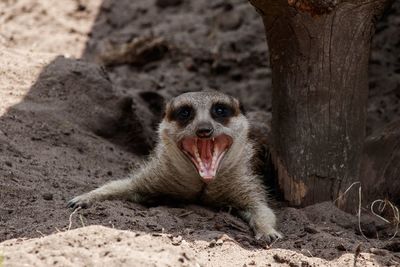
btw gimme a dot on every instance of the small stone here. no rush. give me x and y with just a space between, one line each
225 237
341 247
219 242
311 230
212 243
157 234
8 163
47 196
176 241
380 252
298 243
279 259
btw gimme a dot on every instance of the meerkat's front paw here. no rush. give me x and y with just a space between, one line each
268 234
82 201
263 221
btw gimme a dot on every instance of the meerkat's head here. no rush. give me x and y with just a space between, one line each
206 126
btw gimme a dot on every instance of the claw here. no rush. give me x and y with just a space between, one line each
77 202
70 204
269 237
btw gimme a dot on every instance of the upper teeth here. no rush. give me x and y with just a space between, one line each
214 158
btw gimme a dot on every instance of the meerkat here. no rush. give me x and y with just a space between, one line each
203 156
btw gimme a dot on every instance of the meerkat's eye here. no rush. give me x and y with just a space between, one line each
183 114
221 110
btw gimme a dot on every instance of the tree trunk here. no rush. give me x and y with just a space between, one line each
380 165
319 51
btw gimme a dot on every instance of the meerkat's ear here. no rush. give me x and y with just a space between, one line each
166 113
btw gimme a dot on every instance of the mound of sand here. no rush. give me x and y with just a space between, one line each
102 246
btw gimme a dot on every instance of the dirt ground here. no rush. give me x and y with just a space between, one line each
78 110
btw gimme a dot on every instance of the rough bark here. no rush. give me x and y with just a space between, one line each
380 166
319 51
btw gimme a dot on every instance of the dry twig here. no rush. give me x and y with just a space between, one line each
70 217
396 214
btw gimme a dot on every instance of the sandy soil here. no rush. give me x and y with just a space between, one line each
101 246
68 125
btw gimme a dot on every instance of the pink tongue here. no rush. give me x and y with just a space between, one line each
204 147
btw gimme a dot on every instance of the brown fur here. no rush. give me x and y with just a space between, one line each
169 173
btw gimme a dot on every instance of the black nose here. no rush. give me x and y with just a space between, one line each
204 131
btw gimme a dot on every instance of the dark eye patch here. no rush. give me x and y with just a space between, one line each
183 114
221 112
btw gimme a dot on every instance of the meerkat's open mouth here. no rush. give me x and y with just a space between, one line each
206 154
